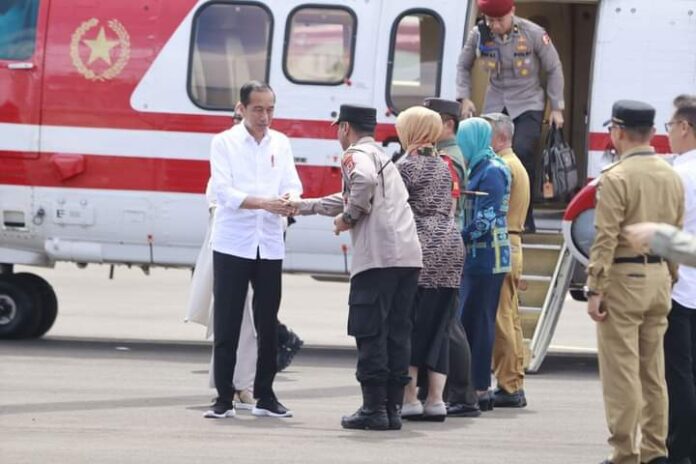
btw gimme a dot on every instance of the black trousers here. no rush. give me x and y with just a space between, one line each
231 278
379 318
459 388
680 371
525 144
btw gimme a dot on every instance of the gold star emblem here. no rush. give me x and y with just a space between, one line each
100 48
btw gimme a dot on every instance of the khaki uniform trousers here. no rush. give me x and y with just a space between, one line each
631 360
508 349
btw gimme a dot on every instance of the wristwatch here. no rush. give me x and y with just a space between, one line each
348 219
588 292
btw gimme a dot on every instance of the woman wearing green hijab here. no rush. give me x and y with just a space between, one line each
488 248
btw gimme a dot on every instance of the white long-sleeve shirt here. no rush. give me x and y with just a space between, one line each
684 291
241 167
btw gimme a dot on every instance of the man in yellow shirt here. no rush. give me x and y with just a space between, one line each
508 350
628 292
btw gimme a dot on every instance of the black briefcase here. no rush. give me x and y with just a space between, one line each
559 170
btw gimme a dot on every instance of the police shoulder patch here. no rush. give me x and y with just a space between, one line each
348 161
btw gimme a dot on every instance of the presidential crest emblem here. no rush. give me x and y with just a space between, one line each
100 53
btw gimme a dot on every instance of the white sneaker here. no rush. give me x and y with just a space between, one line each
244 400
411 410
435 412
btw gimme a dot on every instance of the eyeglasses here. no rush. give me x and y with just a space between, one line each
614 126
668 125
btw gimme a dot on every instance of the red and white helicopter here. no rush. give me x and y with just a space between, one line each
107 110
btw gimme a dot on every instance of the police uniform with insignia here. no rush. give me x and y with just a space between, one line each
630 294
386 260
514 63
449 147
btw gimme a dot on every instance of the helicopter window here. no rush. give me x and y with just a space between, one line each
415 59
18 28
231 45
319 45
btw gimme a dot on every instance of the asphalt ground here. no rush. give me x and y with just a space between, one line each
121 379
72 401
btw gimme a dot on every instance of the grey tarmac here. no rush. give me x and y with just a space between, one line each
121 379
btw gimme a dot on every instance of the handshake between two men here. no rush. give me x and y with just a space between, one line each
288 205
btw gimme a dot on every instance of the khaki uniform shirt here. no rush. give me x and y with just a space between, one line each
514 63
519 191
675 245
451 150
375 195
640 187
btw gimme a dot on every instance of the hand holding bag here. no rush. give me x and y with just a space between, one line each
559 178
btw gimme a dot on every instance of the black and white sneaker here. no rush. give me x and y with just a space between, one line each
270 407
220 410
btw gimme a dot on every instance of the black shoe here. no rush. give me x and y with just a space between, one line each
270 407
606 461
395 399
503 399
288 350
220 410
485 401
366 419
394 418
463 410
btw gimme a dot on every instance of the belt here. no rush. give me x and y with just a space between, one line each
515 232
645 259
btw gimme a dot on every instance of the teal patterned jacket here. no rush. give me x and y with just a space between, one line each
485 230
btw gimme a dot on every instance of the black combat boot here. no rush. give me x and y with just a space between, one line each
395 399
373 413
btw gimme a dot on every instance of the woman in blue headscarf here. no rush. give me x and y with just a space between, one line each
488 248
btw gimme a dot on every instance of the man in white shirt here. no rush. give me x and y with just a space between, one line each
680 338
252 175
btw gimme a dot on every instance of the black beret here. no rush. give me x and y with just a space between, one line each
357 114
632 113
442 106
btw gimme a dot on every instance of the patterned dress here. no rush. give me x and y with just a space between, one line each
429 184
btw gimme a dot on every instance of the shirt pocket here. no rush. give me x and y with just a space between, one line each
524 64
272 168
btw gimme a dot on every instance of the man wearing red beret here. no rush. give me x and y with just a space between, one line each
513 51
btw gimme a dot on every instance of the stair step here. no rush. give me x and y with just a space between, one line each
540 260
536 278
535 292
548 238
539 246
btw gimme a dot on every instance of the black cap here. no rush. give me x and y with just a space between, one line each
631 113
357 114
442 106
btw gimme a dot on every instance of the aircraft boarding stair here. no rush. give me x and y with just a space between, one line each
546 275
